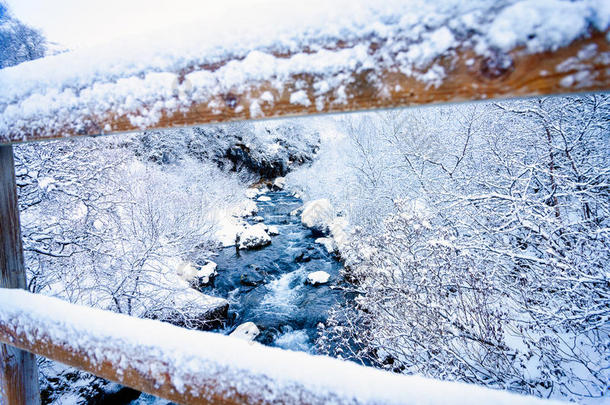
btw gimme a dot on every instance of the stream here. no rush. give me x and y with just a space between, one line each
267 285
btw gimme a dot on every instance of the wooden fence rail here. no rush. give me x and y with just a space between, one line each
193 367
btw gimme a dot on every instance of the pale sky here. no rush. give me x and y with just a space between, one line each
78 23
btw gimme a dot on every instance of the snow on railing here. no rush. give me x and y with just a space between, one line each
195 367
285 58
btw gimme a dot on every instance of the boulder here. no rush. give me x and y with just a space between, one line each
251 279
251 276
246 331
207 272
279 183
258 218
328 243
318 215
273 230
253 236
318 277
263 198
307 256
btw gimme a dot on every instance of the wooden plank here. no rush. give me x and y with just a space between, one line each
193 367
468 77
18 370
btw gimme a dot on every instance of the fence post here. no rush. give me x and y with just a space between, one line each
18 370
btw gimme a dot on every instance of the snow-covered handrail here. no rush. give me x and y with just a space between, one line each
280 58
194 367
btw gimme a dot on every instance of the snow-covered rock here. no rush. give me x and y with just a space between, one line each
263 198
317 215
253 236
258 218
46 183
190 273
328 243
187 271
206 272
246 331
252 192
273 230
279 183
228 229
318 277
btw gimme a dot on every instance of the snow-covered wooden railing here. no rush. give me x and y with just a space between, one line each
281 58
195 367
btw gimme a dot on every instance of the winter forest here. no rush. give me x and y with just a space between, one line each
464 242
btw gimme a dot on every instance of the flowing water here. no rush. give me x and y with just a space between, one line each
267 286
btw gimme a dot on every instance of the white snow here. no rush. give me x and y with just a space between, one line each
231 224
318 277
246 331
188 359
46 183
187 271
145 76
338 232
318 214
279 183
253 236
300 97
170 282
544 24
206 272
263 198
327 243
273 230
246 208
252 192
228 228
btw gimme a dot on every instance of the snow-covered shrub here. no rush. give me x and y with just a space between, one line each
479 242
102 228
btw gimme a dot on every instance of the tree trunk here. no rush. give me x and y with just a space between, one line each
18 370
